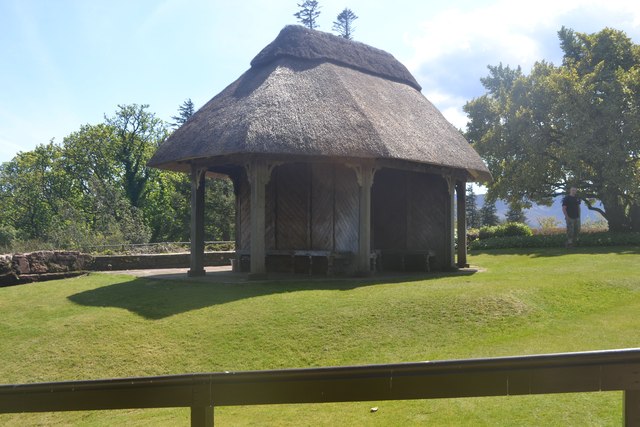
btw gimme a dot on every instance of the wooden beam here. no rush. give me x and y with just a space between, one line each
364 175
258 172
451 222
462 224
632 408
202 416
197 222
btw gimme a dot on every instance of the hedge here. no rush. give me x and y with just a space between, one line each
557 240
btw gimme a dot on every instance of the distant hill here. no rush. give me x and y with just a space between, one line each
539 211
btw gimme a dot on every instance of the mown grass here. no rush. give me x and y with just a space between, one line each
521 302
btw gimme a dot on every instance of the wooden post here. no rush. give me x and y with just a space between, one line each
197 222
632 408
364 175
451 222
202 416
462 224
258 173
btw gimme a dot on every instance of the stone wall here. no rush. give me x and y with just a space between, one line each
44 265
48 265
151 261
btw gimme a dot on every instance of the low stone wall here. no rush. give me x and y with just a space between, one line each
151 261
39 266
17 269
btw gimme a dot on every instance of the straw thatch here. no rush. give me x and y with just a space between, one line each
310 93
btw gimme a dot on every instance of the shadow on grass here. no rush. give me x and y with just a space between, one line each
156 299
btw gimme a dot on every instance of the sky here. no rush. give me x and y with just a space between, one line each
67 63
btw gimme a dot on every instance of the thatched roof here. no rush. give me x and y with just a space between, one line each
310 93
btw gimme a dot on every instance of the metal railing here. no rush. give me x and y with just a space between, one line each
139 247
610 370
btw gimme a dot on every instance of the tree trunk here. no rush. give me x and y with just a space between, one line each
634 214
615 214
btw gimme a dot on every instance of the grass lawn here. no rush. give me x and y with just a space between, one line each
521 302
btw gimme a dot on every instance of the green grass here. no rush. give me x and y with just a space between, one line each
521 302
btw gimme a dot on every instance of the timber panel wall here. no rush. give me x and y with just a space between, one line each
292 206
410 213
389 213
322 204
347 209
428 215
307 206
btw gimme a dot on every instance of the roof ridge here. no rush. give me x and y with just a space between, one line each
295 41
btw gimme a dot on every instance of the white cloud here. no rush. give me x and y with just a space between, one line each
453 48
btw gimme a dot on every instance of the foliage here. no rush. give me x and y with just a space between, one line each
548 224
308 13
343 24
505 230
96 189
185 111
524 302
7 235
558 241
471 207
489 213
577 124
516 213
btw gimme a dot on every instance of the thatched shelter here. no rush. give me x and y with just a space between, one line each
336 158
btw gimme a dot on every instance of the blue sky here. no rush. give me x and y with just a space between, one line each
66 63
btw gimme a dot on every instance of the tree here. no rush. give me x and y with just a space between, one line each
95 188
344 24
516 213
32 190
488 212
103 213
473 215
185 111
577 124
137 134
308 13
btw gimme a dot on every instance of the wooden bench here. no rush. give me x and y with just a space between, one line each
426 256
243 257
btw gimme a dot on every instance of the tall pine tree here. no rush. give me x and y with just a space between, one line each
185 111
516 213
344 24
308 13
473 216
488 213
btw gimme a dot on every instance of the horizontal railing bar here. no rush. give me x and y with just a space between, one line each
516 375
208 242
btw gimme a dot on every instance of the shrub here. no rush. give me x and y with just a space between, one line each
504 230
557 240
472 235
7 235
548 224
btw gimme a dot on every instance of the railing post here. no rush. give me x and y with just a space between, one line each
202 416
632 408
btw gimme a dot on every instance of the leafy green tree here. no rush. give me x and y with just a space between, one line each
308 13
97 181
33 190
472 213
168 207
185 111
219 209
95 188
577 124
343 24
138 133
